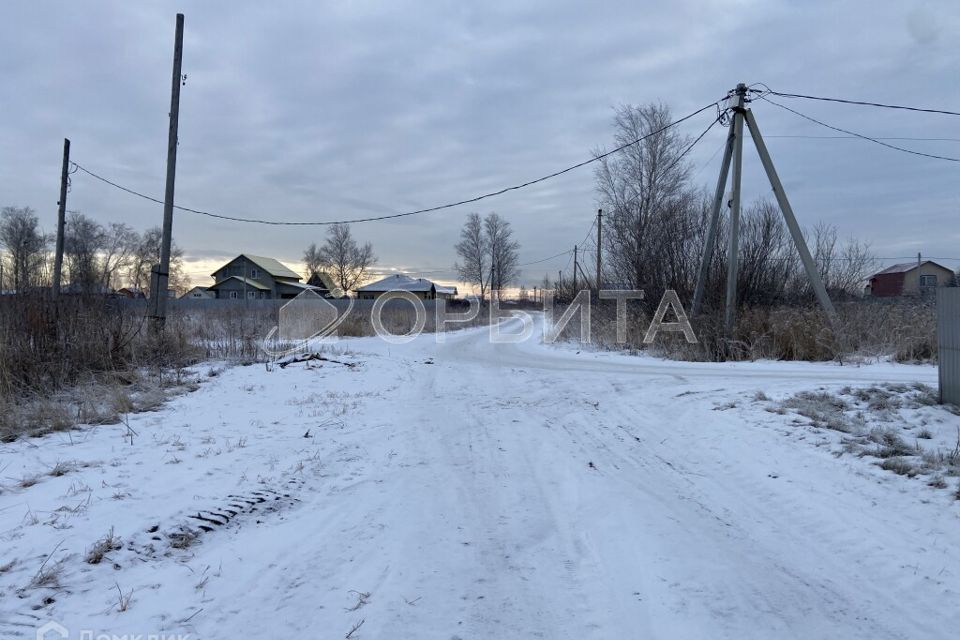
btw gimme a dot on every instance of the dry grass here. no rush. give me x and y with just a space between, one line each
900 466
854 410
62 469
823 409
124 599
182 539
867 329
102 547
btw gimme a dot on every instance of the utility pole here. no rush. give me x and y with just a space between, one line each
813 275
734 151
61 218
734 250
599 249
574 270
711 239
162 272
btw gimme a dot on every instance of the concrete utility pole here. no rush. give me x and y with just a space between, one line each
734 151
61 218
734 250
808 264
599 237
159 283
714 223
574 270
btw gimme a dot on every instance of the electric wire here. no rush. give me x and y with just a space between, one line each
392 216
858 135
865 103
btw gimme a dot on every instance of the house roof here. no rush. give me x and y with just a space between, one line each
904 267
325 279
450 291
274 267
247 281
397 282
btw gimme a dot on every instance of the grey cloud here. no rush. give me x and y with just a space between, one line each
332 110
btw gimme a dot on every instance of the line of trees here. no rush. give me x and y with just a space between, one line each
97 258
488 254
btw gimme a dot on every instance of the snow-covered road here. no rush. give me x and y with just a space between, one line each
471 490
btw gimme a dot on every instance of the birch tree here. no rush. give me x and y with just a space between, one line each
474 264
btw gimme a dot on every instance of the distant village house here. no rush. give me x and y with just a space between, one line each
420 287
256 277
198 293
910 279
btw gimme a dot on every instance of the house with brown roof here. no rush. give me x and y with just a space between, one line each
910 279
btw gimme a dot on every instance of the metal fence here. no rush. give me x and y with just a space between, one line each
948 337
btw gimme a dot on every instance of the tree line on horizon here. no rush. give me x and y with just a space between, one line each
96 258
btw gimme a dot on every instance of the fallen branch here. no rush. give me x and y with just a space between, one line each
307 357
354 629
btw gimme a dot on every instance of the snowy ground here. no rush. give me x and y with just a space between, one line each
468 490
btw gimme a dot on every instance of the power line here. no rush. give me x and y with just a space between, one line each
406 213
874 137
853 133
562 253
857 102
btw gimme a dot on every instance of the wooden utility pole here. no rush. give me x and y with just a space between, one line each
159 283
599 249
574 270
61 218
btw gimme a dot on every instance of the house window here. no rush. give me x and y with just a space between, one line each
928 281
251 294
233 294
254 274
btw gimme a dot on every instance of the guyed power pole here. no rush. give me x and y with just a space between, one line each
733 154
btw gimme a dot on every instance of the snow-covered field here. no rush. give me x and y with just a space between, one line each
469 490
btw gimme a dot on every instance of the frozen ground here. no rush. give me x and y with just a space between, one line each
468 490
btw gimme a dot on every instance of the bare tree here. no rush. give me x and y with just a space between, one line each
83 241
473 267
643 192
347 262
118 249
843 267
20 234
312 260
146 254
504 252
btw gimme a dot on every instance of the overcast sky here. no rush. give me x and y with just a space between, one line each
328 110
